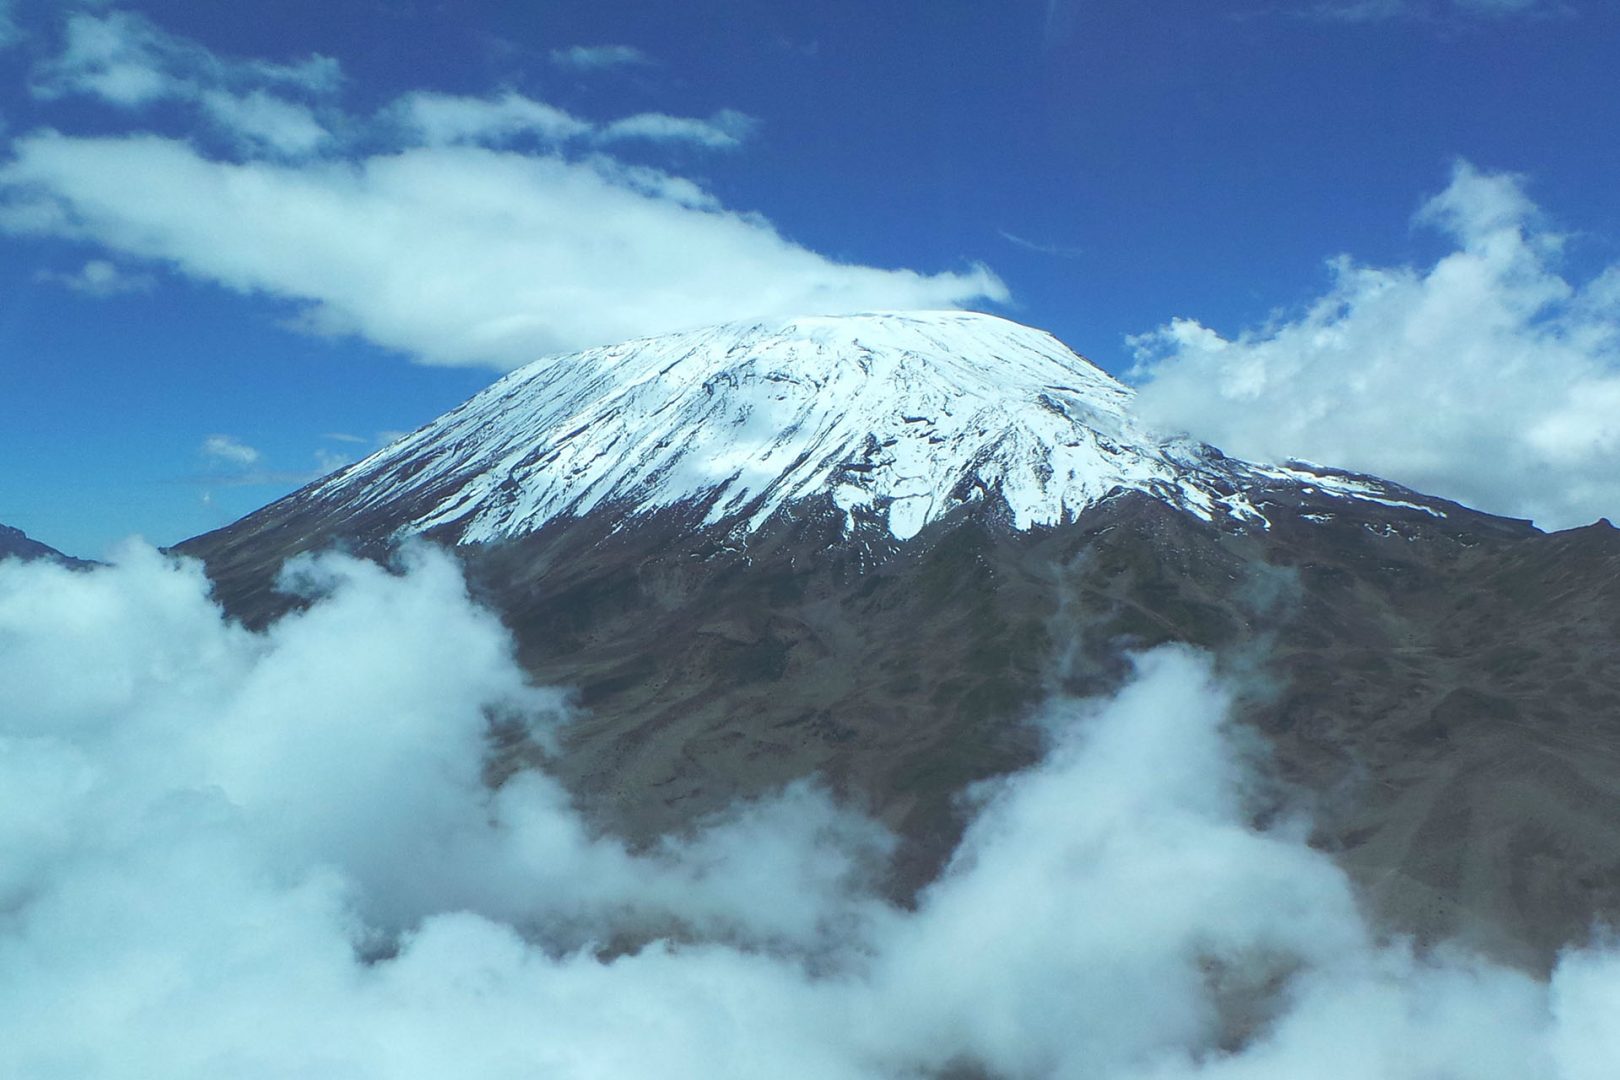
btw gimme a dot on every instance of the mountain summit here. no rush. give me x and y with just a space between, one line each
897 418
865 549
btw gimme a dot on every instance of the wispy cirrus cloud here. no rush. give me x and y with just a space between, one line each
725 130
99 278
499 120
599 57
128 61
232 463
261 119
448 119
1370 11
1041 247
230 450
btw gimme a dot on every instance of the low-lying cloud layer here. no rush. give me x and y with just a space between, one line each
1489 377
460 230
225 852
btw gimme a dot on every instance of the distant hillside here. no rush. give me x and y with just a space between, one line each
18 544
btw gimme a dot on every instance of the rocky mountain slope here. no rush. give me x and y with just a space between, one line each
898 418
866 548
14 543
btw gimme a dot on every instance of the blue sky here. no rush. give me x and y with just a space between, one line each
244 243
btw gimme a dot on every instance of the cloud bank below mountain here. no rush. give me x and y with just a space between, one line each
273 853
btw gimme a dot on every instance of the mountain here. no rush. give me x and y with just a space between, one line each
865 548
14 543
897 418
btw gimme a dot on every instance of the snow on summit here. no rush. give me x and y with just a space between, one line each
904 414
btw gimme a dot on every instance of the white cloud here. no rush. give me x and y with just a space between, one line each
116 58
328 460
236 464
259 119
317 74
99 278
1366 11
725 130
597 57
1363 10
1506 8
273 854
127 61
1062 251
456 255
8 25
1488 377
494 230
448 119
230 450
443 119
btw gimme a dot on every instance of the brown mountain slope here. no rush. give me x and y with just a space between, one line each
1441 690
14 543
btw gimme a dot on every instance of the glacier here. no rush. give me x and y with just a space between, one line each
898 417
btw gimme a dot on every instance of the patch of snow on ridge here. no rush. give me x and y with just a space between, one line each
1342 485
905 415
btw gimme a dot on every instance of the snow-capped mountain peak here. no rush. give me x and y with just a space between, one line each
898 416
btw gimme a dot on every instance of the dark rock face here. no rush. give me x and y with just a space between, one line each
16 544
1443 691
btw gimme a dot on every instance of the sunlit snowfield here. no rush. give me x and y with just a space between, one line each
225 853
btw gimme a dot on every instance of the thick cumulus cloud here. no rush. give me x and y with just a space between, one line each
455 254
455 229
273 854
1489 377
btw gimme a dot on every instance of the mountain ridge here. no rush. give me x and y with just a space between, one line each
899 417
14 543
1428 665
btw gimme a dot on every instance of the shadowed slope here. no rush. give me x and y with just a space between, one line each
1438 685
